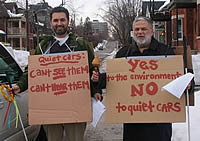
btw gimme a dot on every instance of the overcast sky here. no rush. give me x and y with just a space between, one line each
84 7
87 7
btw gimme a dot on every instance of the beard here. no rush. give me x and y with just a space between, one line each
61 31
143 43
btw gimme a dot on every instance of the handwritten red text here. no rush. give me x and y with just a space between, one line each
151 89
144 65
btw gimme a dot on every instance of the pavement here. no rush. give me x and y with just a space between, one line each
104 132
107 53
114 132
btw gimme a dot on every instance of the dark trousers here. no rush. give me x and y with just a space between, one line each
147 132
42 135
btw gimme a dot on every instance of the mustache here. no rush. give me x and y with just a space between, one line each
60 26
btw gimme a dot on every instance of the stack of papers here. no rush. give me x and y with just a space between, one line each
97 109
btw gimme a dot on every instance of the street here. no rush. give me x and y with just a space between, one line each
104 132
107 53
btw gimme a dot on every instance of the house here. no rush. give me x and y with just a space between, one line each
100 28
3 21
40 13
179 19
184 22
149 9
13 22
41 20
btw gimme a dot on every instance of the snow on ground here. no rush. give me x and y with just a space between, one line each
180 130
196 68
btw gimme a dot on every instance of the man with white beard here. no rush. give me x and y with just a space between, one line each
145 44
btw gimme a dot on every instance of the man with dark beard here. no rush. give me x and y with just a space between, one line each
63 41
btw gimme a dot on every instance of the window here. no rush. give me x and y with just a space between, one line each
9 68
172 29
199 20
180 28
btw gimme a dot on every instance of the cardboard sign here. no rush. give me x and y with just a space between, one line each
59 89
134 90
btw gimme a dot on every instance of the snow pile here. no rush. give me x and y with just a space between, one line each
180 130
196 68
165 4
21 58
14 15
2 32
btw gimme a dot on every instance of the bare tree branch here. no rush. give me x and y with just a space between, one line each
120 15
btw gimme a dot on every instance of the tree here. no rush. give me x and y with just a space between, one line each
87 28
84 30
120 15
81 22
79 29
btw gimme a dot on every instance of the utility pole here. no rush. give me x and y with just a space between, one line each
27 27
74 20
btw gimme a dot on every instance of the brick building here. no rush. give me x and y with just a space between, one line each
13 22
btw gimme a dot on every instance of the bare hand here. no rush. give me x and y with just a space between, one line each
189 86
98 96
95 76
16 89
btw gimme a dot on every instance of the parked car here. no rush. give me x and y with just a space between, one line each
9 69
101 46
